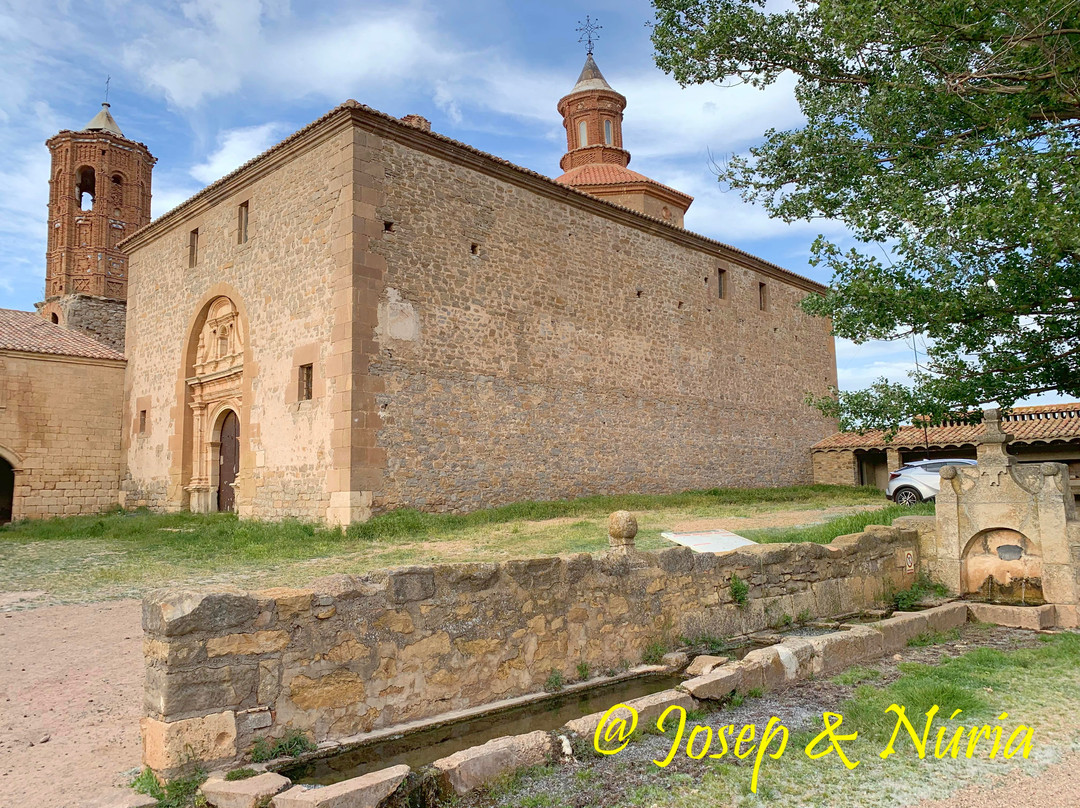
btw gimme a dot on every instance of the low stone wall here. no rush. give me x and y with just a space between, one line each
354 654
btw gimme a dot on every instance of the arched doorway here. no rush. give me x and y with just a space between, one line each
214 398
228 462
7 490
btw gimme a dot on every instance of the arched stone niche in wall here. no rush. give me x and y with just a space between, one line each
1002 566
215 390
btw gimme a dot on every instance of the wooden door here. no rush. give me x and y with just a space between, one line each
228 462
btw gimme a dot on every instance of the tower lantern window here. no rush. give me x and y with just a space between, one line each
607 132
583 134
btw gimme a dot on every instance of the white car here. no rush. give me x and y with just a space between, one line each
919 480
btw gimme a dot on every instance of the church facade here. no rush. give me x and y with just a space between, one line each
371 315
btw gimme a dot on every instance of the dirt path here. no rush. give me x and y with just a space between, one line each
72 674
1057 785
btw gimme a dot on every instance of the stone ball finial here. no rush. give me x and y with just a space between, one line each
622 527
948 472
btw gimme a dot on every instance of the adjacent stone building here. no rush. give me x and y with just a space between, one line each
61 395
371 315
1046 433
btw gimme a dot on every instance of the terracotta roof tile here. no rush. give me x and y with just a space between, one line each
30 332
1043 423
609 174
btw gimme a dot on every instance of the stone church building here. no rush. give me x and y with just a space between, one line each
371 315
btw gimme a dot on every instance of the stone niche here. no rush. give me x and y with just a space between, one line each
1002 566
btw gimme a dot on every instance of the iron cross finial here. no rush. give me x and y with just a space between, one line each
589 33
107 80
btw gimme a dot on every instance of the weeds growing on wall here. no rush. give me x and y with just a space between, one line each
180 792
293 744
740 590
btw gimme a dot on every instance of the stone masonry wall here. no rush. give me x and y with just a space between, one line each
533 349
96 317
60 430
280 281
353 654
835 468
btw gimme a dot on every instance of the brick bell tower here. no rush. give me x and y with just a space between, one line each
596 162
99 193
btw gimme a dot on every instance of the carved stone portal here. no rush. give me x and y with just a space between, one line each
216 392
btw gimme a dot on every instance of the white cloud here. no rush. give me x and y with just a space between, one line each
218 48
236 147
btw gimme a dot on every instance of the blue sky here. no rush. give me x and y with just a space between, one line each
208 84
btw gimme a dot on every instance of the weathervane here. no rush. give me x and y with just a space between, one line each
588 30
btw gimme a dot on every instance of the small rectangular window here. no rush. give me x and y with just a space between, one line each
242 223
142 422
304 389
721 283
763 297
193 247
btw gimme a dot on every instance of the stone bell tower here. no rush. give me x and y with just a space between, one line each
596 162
99 193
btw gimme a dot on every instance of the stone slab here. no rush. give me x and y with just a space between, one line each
705 664
1032 617
366 791
718 684
247 793
469 768
842 649
946 617
898 629
709 541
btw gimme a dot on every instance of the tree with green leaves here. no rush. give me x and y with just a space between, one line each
946 136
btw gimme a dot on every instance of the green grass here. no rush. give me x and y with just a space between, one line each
857 676
125 554
841 526
933 638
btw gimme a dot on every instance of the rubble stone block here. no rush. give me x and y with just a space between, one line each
366 791
247 793
469 768
175 612
172 745
705 664
718 684
1032 617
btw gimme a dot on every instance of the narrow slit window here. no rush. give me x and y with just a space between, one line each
193 247
721 284
305 382
583 134
607 133
242 223
763 296
142 422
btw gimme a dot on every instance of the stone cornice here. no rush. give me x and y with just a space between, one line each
352 113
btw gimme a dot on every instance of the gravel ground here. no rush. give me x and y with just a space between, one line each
603 781
72 675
